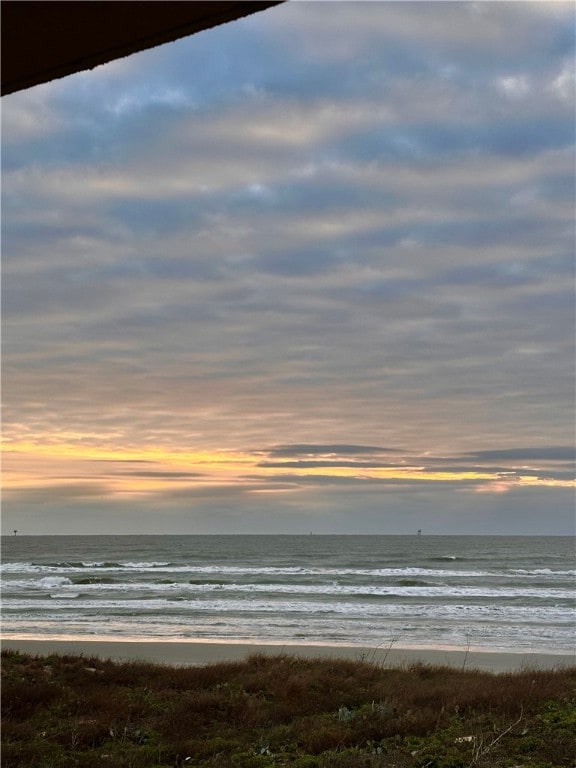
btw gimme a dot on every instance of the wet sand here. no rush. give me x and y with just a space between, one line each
196 653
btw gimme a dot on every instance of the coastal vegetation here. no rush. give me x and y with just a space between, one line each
274 711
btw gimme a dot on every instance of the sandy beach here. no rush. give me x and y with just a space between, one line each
201 653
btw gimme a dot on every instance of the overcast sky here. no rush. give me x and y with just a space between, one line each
309 271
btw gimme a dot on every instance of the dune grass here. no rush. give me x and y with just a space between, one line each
268 711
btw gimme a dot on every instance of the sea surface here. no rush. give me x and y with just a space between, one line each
492 592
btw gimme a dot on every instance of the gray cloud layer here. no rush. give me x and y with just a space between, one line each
324 228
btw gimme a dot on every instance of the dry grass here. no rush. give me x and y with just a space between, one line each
76 712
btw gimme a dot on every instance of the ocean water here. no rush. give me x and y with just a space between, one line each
498 593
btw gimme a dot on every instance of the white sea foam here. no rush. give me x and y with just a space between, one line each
365 590
212 570
518 593
543 572
169 610
48 582
64 595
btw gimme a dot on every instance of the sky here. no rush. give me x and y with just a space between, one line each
310 271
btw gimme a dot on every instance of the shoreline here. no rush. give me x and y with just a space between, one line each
204 652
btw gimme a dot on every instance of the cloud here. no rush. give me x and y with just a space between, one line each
343 508
516 87
345 233
307 449
327 463
29 119
541 453
564 83
56 491
163 475
409 482
428 469
297 265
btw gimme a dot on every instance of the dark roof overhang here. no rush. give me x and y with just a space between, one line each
42 41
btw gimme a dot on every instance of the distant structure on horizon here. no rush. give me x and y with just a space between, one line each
15 531
419 532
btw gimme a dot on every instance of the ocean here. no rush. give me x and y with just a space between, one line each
483 592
